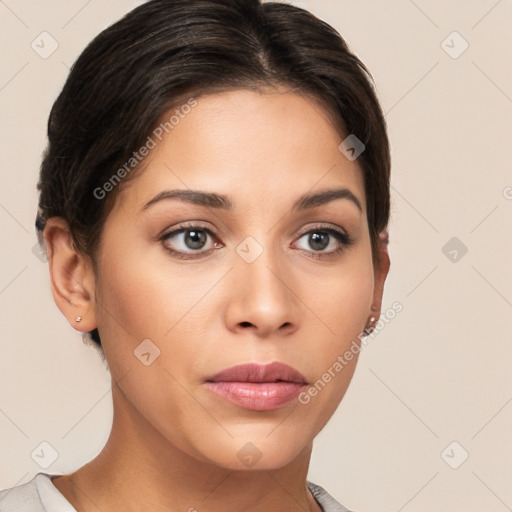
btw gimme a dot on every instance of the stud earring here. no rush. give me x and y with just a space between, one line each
370 328
78 319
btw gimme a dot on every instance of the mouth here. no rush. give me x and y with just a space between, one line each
258 387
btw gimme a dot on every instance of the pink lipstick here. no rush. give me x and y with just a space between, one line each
258 387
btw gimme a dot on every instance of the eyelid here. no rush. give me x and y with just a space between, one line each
324 227
190 224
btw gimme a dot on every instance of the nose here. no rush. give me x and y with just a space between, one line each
261 297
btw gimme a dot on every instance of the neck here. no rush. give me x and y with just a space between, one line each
140 469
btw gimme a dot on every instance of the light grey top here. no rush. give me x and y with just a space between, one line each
40 495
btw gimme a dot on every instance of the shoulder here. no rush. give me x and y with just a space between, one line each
325 500
36 495
21 498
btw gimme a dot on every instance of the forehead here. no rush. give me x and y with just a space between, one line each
251 145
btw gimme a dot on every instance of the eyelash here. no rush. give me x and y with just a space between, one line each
344 240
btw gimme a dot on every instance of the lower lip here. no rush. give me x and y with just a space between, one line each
264 396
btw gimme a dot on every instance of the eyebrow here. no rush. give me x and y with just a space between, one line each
222 202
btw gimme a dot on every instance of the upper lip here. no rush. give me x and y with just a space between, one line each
251 372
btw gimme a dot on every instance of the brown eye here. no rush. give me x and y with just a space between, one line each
190 241
194 239
318 239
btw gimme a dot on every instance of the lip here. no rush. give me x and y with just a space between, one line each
258 387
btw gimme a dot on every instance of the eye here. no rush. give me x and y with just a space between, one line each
190 241
324 241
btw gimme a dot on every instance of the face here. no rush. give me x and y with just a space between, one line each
247 271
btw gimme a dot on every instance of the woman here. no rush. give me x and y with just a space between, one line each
214 201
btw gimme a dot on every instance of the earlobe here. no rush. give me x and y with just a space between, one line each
380 273
71 275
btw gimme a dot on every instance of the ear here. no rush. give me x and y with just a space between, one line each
380 273
71 275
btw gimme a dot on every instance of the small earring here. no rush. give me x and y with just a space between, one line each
78 319
369 329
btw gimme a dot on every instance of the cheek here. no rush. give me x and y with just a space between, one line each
342 304
140 296
343 299
140 300
134 300
126 295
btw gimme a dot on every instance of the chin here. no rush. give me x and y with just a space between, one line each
255 451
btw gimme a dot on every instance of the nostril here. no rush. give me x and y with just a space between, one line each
246 324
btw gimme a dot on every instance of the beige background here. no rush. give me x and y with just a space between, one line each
439 372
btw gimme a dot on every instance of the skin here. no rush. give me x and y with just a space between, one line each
174 444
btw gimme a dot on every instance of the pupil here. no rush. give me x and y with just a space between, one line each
319 240
195 239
